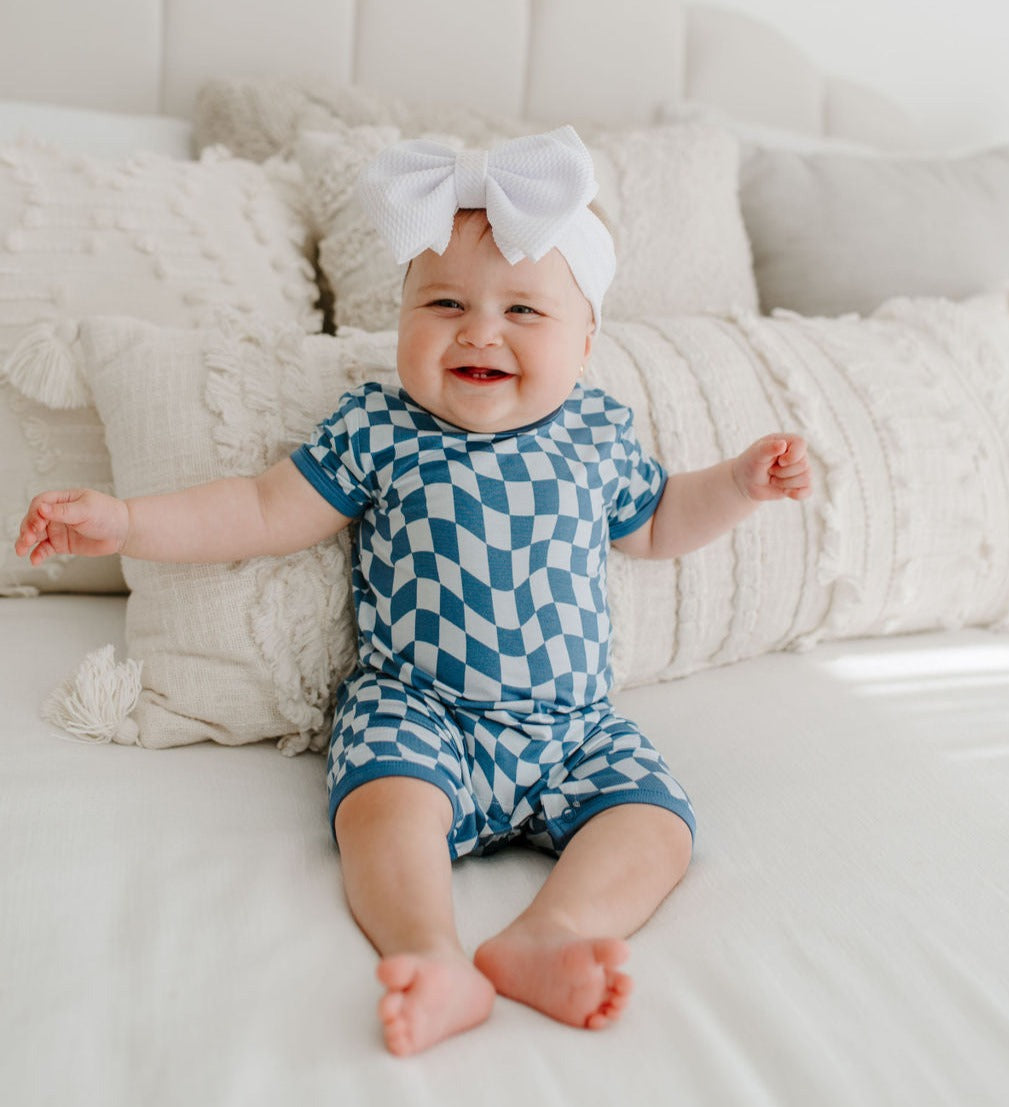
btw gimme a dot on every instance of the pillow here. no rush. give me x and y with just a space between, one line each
154 237
906 414
668 195
259 117
754 136
104 134
232 653
907 419
835 233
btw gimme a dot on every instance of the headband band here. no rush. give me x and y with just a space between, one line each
535 191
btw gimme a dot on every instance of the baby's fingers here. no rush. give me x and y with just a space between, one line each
796 487
43 550
33 538
68 508
788 471
45 509
770 447
33 528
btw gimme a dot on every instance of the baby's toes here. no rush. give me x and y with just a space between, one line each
398 1039
618 994
395 1025
621 986
390 1007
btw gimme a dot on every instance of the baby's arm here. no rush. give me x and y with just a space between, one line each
277 512
699 506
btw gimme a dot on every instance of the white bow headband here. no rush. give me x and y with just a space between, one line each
535 191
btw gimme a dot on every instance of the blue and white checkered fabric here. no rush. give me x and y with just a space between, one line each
480 566
539 777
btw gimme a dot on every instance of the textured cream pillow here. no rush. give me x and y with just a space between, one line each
104 134
260 117
154 237
668 195
907 418
240 652
835 233
906 413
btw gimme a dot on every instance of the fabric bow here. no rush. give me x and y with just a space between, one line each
531 188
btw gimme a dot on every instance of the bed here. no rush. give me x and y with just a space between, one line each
830 683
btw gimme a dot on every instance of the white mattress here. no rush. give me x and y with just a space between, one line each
173 931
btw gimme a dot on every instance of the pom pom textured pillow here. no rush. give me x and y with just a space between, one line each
152 237
669 197
835 233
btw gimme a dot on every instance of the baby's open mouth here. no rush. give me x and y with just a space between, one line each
479 375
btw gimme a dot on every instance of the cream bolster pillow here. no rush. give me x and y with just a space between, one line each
149 236
906 413
840 232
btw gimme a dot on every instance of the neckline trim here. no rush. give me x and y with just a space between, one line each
490 436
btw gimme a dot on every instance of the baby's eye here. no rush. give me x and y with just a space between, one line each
449 304
522 309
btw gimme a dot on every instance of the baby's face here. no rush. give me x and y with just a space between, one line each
488 346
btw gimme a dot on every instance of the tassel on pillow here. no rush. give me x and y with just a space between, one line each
45 367
94 705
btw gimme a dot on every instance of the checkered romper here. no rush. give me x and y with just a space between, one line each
479 581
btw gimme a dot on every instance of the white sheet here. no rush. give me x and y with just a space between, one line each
173 931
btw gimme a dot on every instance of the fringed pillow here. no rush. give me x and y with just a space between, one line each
907 418
231 653
669 195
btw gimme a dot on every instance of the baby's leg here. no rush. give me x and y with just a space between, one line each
397 876
561 955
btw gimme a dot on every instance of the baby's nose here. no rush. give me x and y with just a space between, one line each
479 330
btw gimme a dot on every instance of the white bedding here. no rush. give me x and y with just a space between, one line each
839 939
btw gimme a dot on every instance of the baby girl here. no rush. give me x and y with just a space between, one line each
487 491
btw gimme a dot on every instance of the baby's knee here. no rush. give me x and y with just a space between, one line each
666 838
680 844
392 802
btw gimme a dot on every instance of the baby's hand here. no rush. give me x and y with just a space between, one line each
78 521
773 467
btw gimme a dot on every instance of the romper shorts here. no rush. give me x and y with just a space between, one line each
533 776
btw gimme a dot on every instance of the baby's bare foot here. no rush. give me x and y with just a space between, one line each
430 997
570 978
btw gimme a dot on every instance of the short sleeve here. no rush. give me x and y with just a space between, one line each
640 482
336 461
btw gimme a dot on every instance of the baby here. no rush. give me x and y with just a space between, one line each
487 489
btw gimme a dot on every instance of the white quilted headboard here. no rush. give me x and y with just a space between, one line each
547 60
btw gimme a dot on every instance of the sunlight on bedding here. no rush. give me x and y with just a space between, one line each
955 698
889 671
